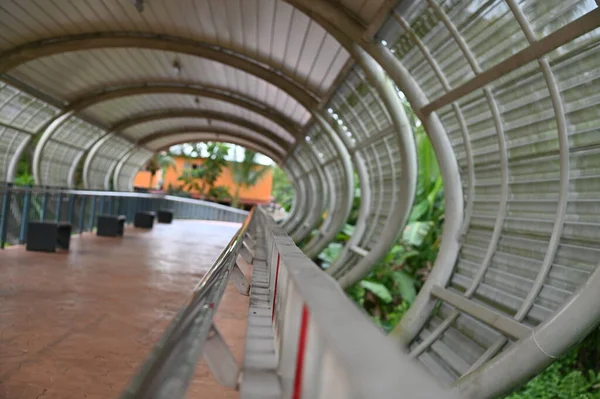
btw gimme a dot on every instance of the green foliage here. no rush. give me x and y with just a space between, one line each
24 180
161 161
246 173
203 178
563 379
218 193
330 253
283 191
377 289
405 268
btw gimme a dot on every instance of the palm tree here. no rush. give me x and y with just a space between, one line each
161 161
203 177
246 173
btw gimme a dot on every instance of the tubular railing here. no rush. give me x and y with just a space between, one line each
169 368
20 205
325 347
304 339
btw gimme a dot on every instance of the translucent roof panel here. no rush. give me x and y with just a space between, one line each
23 111
105 160
10 140
72 75
526 140
130 167
272 31
75 136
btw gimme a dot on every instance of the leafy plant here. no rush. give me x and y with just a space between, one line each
161 161
283 191
24 180
405 268
246 173
203 178
564 379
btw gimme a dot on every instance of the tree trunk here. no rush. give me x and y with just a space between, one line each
152 174
235 201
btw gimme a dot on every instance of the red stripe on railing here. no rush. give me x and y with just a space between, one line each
297 394
275 290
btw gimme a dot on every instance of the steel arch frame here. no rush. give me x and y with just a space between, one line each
210 135
348 32
166 113
318 198
339 210
57 45
146 88
272 147
201 91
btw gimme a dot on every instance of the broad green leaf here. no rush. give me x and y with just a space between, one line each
406 285
414 233
379 290
331 253
348 229
419 210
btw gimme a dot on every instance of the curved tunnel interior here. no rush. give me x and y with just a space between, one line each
506 90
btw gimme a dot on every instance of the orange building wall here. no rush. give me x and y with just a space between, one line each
260 193
142 179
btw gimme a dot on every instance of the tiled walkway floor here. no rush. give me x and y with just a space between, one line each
78 324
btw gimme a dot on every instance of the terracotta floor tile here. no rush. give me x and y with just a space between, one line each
78 324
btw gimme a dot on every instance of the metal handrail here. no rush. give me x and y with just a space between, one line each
119 194
19 205
169 368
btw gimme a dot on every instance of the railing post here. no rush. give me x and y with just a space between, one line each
44 206
92 212
4 214
109 205
71 208
101 207
24 217
58 206
82 214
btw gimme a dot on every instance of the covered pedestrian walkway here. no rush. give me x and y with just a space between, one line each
506 91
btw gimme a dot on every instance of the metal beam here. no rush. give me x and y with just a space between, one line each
165 87
232 137
340 202
348 32
217 131
491 317
196 113
47 47
534 51
90 157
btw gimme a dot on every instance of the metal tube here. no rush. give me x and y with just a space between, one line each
419 311
82 204
408 174
563 139
4 214
25 217
521 362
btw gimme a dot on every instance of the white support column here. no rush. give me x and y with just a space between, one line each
90 157
408 174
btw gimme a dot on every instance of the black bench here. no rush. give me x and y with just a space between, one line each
144 219
47 236
110 225
165 216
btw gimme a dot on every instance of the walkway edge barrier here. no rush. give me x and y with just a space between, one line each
168 370
325 346
20 205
